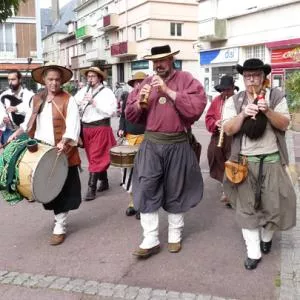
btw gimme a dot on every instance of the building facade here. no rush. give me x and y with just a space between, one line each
116 34
20 43
232 31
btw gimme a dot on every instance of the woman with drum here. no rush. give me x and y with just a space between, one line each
134 135
53 119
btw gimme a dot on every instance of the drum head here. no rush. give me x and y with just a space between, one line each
125 149
49 176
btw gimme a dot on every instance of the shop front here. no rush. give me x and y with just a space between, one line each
215 64
285 59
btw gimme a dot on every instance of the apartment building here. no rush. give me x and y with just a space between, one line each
59 30
116 34
232 31
20 42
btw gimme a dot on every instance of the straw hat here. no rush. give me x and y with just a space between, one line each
137 76
254 64
38 73
94 69
160 53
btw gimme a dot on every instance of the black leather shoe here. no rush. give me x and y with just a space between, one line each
103 186
251 264
130 211
265 247
138 215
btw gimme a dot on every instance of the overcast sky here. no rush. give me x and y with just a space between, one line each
47 3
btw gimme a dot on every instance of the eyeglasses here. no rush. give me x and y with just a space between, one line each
255 76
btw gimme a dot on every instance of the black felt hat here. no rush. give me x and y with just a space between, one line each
226 83
253 64
161 52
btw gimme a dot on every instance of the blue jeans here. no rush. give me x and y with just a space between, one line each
5 135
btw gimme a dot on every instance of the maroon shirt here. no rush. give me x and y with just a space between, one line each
163 117
214 114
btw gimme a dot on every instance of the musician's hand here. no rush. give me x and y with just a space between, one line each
218 123
12 137
145 90
12 109
61 147
88 98
251 110
120 133
6 120
262 105
158 83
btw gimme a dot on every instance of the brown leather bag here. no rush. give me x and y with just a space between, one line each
236 172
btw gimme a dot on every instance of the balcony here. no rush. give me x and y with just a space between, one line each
8 50
110 22
84 32
123 49
213 30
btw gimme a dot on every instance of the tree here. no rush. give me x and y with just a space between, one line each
9 8
292 89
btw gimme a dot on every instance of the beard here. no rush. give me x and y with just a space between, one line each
163 73
14 87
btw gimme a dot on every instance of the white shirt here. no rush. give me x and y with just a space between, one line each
44 131
24 95
104 105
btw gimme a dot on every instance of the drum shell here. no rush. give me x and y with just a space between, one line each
31 184
123 156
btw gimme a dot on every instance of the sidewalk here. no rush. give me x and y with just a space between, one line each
290 240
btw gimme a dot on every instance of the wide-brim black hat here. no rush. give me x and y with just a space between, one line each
161 52
226 83
254 64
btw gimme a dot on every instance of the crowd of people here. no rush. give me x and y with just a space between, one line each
247 130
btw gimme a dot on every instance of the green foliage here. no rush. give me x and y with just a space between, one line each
8 8
292 89
70 88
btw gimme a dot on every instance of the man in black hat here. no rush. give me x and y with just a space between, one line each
166 172
265 201
14 104
218 150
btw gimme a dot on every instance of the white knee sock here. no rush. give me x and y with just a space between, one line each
251 237
176 224
150 223
60 223
266 235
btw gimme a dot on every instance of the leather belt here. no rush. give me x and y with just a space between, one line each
103 122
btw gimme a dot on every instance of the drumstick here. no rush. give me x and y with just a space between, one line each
53 168
4 145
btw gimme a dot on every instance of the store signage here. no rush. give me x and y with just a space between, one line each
140 65
285 55
219 56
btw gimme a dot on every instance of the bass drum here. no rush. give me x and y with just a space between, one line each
42 174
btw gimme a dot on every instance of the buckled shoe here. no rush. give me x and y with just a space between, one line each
251 264
265 247
57 239
145 253
174 247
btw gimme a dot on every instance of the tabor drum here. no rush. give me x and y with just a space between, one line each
42 173
123 155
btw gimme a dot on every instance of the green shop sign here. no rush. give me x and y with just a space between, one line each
140 65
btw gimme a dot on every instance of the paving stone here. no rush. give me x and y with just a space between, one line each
59 283
204 297
188 296
2 273
35 279
19 280
105 292
173 295
76 285
9 277
131 292
159 293
45 281
91 287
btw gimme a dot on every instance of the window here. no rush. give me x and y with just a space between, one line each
255 52
6 37
176 29
137 32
